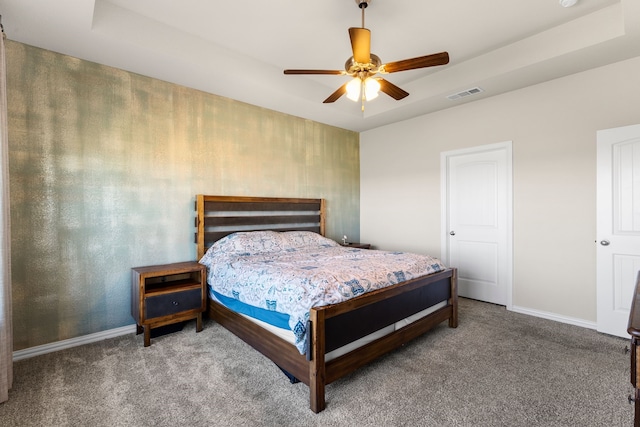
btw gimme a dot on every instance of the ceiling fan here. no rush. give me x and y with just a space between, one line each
364 65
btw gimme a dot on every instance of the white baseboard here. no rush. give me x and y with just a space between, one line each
555 317
72 342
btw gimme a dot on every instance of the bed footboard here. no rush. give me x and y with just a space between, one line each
369 313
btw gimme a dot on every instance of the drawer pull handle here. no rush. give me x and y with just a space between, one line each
175 303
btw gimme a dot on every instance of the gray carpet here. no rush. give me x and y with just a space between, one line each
498 368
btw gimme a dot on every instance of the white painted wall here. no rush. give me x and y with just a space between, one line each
553 128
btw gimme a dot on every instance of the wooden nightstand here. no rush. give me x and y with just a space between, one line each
357 245
166 294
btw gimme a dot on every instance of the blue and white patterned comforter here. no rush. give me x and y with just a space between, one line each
291 272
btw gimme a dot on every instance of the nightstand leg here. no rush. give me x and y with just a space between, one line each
139 329
199 323
147 336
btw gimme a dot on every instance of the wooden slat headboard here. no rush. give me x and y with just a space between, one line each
219 216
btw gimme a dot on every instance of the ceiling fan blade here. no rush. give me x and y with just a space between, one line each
360 44
332 72
441 58
392 90
337 94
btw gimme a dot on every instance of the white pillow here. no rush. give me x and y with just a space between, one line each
301 239
249 243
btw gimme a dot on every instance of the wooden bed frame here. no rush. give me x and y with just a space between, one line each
633 328
218 216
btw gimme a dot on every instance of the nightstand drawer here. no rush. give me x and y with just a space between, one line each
172 303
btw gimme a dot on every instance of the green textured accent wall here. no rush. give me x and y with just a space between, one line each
104 168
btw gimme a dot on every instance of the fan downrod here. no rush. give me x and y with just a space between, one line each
362 4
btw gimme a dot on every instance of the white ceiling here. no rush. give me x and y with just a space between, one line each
239 49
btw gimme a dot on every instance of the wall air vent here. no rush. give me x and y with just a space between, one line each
465 93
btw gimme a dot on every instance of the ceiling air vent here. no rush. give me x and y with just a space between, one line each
465 93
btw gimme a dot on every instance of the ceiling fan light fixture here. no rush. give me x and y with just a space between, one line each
353 89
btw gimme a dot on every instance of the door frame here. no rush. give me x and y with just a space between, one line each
506 146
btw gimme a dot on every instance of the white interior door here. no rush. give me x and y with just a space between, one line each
618 226
477 216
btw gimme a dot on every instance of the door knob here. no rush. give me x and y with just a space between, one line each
453 233
605 242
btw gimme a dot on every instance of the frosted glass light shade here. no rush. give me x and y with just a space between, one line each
371 88
353 89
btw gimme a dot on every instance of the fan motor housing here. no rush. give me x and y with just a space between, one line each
352 67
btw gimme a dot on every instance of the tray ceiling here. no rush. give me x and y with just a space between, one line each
240 49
